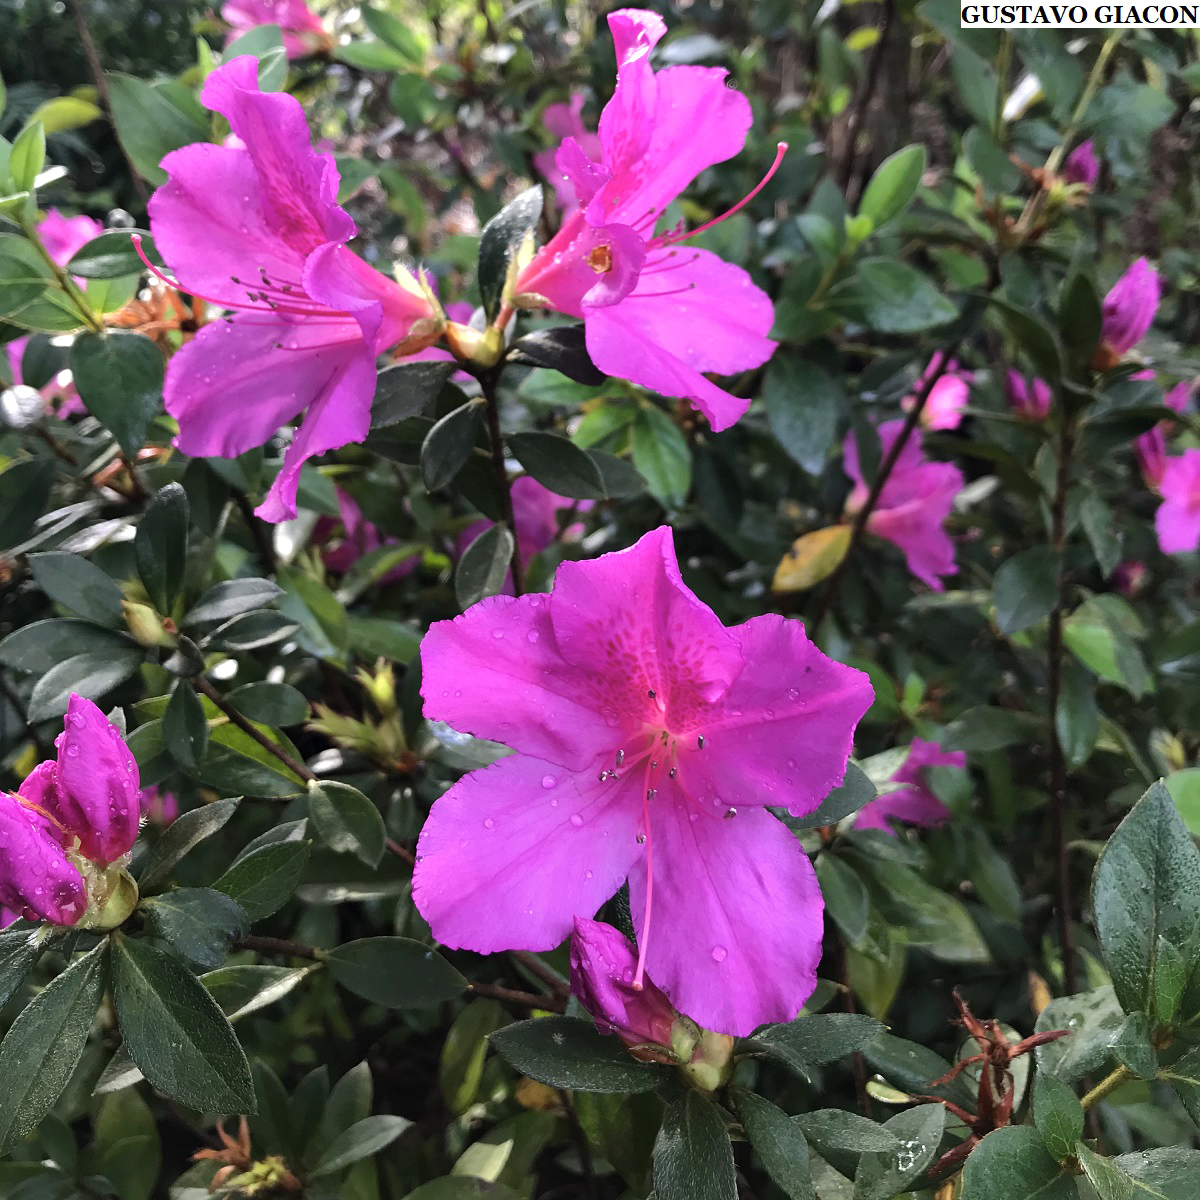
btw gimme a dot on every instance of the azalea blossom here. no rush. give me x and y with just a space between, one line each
303 32
656 312
1177 521
915 802
912 507
69 822
947 398
1150 448
1029 398
566 121
649 740
1082 165
158 807
1129 578
1128 313
255 228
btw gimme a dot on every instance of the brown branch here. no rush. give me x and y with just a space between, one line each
298 768
506 995
258 531
535 966
488 383
402 852
274 945
101 81
855 120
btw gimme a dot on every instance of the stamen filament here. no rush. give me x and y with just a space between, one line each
644 934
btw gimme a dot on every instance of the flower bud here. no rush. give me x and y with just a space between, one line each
479 348
1082 166
711 1062
1128 313
1029 399
145 624
112 897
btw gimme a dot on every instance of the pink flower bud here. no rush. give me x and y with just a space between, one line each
1029 399
1082 165
1129 578
602 971
1129 310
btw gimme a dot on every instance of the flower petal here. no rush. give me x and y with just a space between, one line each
916 802
737 919
656 654
510 855
783 732
497 672
35 876
98 785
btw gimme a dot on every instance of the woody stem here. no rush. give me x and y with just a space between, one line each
68 285
252 731
1106 1087
489 381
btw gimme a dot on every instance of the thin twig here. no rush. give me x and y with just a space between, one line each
298 768
1106 1087
507 995
401 852
257 528
274 945
859 525
855 120
488 382
535 966
101 81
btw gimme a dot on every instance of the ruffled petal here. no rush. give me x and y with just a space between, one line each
510 855
656 654
737 918
783 733
497 672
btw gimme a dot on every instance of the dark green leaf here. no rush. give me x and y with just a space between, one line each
185 727
1184 1076
1168 1174
1035 338
662 456
1133 1046
499 243
43 1046
79 585
1080 316
810 1042
448 445
1026 587
346 821
1109 1181
395 972
153 120
407 390
367 1137
558 464
161 546
893 185
1078 717
563 348
199 922
779 1144
229 599
263 881
913 1068
803 403
985 728
19 951
1058 1116
111 255
128 1148
93 675
835 1129
270 703
693 1157
1092 1019
119 377
846 898
244 989
884 1174
1014 1164
484 566
896 298
855 791
176 1033
41 646
25 486
569 1053
1098 523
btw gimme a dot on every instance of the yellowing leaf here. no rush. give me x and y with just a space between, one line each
813 557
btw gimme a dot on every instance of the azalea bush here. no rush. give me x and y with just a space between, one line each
597 605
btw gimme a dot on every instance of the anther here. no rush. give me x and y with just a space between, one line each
651 693
700 742
651 793
654 764
641 839
730 813
620 757
672 772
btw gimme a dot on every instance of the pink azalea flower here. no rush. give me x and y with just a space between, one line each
914 803
158 807
258 230
1029 399
1150 448
357 536
303 33
947 398
1128 313
914 503
649 739
69 820
1178 518
1082 165
603 964
1129 578
656 313
7 917
566 121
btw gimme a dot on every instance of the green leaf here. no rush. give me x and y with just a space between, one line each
25 486
836 1129
20 950
1100 634
566 1052
896 298
461 1187
884 1174
231 598
199 922
1184 1076
371 56
448 445
119 377
558 464
1014 1164
92 675
913 1068
128 1148
79 585
893 185
460 1070
1080 316
1092 1019
1110 1182
779 1144
28 156
346 821
855 791
986 728
111 255
263 881
484 566
407 390
803 403
365 1138
1026 588
236 763
264 42
662 457
152 120
160 546
1134 1048
270 703
1078 717
397 34
563 349
395 972
185 727
499 243
693 1157
244 989
44 1044
63 113
1058 1116
1147 885
1168 1174
176 1033
622 1130
810 1042
1034 336
846 898
350 1101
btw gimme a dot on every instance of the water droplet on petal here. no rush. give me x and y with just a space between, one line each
548 781
719 953
576 820
532 635
488 823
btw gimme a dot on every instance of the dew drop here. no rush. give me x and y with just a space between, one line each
532 635
719 953
497 633
576 820
488 823
548 781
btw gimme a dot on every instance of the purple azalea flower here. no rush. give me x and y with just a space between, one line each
649 739
1029 399
1129 577
914 803
345 541
566 121
158 807
303 32
1082 165
603 965
656 313
912 507
1150 448
947 398
1128 313
1178 518
256 228
69 820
